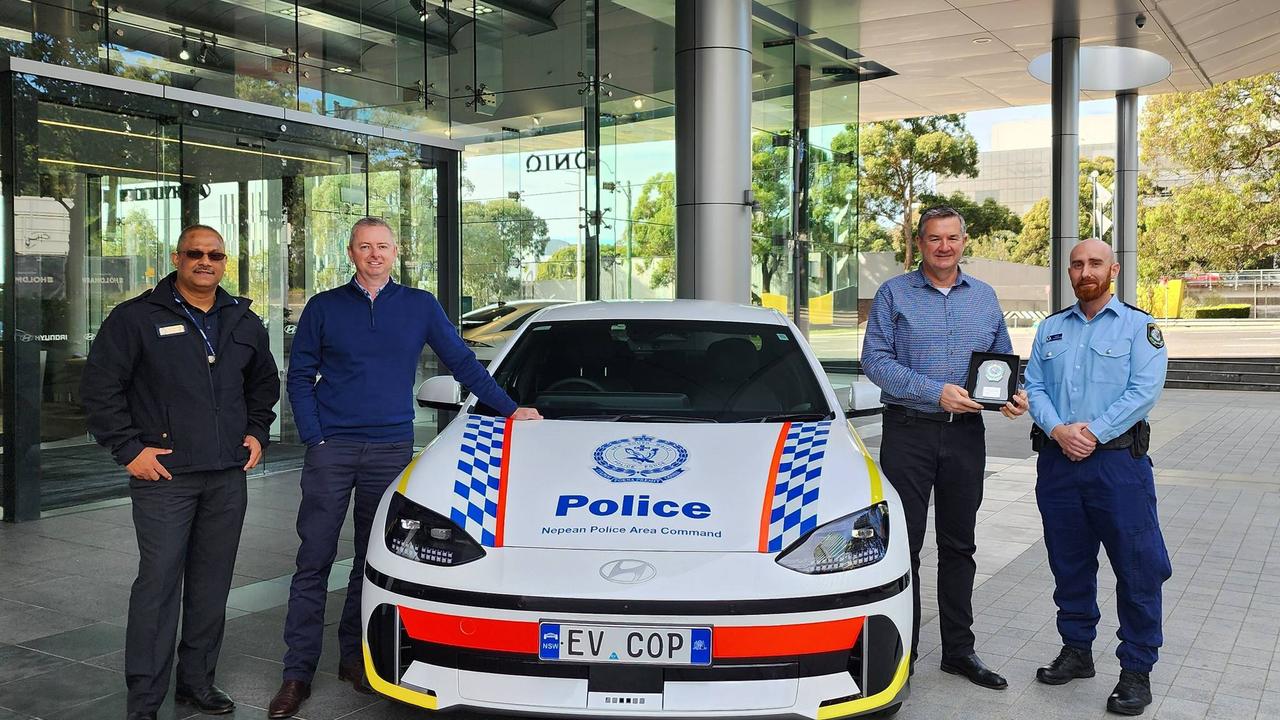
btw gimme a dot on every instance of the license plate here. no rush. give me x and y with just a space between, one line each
624 644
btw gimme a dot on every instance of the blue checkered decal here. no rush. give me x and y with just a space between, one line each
795 487
476 489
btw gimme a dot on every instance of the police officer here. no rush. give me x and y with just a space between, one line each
179 386
1096 370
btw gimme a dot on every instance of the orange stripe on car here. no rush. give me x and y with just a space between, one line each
471 632
785 640
727 641
770 486
502 483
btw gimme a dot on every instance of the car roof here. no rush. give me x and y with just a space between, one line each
709 310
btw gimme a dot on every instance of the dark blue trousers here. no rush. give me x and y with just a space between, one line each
330 472
1107 499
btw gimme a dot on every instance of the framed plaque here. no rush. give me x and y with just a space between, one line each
992 379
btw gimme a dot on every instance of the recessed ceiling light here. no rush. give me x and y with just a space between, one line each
638 103
340 69
982 41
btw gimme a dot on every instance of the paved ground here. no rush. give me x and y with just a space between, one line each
64 587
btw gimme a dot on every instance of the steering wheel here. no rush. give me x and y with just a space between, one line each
573 383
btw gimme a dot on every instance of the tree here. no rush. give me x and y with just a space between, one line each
565 263
1032 246
653 228
899 157
497 236
1213 226
1231 130
770 171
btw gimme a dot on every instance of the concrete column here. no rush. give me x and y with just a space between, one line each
1064 201
713 149
1126 195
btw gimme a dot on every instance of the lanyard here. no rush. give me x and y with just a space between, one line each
213 357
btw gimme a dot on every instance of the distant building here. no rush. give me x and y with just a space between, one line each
1016 171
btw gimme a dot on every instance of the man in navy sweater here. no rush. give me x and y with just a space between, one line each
351 374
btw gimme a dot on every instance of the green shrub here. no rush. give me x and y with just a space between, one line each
1223 311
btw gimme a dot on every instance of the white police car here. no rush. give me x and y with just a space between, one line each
695 530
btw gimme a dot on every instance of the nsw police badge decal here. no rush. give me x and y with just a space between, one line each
643 458
1154 336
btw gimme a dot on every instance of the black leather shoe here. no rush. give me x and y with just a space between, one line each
1132 694
142 716
210 700
288 699
1070 664
353 672
971 667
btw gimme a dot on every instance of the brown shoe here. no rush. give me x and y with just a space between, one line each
353 672
288 699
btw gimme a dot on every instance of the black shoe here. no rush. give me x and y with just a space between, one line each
353 672
288 699
142 715
971 667
1132 694
210 700
1070 664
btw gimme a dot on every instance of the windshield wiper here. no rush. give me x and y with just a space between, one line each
639 418
789 417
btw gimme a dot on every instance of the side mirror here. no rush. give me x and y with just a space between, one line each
864 399
441 392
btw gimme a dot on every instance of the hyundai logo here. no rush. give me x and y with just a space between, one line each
628 572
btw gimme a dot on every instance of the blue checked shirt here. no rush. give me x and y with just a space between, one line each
1107 371
919 339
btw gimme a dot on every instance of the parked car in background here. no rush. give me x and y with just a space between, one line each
486 329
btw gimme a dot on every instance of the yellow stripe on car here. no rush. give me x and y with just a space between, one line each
408 470
869 703
395 692
877 488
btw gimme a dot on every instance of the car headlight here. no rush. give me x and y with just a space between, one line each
853 541
425 536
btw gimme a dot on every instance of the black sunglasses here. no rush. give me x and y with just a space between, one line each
214 255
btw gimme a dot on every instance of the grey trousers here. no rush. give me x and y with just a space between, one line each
188 530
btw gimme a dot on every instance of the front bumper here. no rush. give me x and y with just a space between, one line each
443 649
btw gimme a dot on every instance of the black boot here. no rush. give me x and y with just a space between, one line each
1070 664
1132 694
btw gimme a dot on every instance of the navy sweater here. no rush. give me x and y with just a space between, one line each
366 354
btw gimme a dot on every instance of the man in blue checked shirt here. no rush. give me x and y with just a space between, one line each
922 329
1096 370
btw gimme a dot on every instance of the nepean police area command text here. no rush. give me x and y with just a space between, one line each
610 530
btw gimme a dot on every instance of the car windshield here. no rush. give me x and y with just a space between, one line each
662 370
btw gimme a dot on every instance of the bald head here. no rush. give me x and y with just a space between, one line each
1093 248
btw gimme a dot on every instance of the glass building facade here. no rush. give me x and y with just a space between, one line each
524 150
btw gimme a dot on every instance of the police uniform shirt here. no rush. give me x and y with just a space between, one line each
1107 371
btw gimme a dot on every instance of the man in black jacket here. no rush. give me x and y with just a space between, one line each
180 386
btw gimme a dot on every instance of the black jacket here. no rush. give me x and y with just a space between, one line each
148 382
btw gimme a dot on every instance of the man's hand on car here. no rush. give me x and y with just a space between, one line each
526 413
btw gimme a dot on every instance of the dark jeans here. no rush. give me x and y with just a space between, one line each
1107 499
329 474
920 457
188 530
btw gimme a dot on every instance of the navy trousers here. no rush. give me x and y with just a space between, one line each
1107 499
330 472
188 530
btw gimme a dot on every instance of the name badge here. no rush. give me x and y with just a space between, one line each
167 330
1055 336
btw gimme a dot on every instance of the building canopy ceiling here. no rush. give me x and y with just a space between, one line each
963 55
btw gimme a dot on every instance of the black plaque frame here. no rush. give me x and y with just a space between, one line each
971 380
